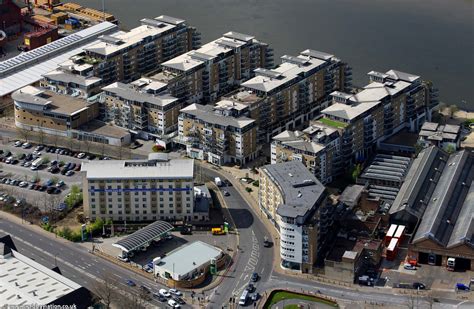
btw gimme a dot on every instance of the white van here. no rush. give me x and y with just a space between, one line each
243 298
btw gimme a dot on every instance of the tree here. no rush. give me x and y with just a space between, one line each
104 290
356 172
41 136
70 143
24 133
441 107
87 145
452 110
450 149
132 301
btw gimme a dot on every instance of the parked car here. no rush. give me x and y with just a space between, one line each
39 147
26 145
164 292
255 297
69 173
130 283
23 184
145 289
226 193
409 266
159 297
173 304
81 155
18 143
179 300
21 156
175 292
60 184
418 286
91 157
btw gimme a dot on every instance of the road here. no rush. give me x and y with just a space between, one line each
251 256
74 261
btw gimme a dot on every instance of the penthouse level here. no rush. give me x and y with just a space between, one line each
292 93
124 56
389 103
204 74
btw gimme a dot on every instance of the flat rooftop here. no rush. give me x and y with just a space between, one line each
289 72
139 169
50 101
189 257
103 129
207 114
196 58
26 282
301 190
132 93
68 77
150 28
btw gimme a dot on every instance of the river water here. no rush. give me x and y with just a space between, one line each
432 38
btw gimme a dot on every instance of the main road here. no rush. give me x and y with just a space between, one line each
251 256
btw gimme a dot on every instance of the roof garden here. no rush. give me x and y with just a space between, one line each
333 123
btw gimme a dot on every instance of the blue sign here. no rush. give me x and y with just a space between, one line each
141 190
45 219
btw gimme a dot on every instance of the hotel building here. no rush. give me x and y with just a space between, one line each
217 134
297 203
139 190
216 68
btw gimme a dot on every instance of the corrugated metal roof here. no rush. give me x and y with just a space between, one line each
28 68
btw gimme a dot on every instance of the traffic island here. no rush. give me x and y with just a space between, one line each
288 299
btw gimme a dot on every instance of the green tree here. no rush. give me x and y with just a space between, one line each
450 149
356 172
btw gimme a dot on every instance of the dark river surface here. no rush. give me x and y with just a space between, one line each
430 38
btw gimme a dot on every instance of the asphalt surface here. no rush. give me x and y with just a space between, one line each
251 256
74 262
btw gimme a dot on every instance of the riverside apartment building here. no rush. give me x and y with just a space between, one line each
125 56
218 134
390 102
139 190
292 93
216 68
317 147
142 106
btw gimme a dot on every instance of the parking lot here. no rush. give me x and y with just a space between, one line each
433 277
46 185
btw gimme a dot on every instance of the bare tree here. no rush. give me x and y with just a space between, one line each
70 143
55 140
87 145
23 133
133 301
41 136
453 110
105 290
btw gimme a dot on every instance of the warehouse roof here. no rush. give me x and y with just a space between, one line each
144 236
447 201
28 68
26 282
